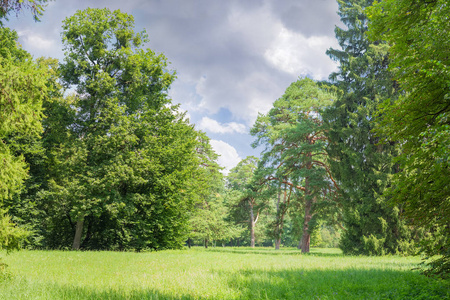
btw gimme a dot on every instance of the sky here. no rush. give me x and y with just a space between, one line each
233 58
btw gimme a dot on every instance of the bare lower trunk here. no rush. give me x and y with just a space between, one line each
277 230
252 232
277 244
252 227
206 243
78 232
189 243
304 243
306 237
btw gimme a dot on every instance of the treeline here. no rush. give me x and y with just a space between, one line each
95 156
365 155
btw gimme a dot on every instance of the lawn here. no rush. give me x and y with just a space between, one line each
215 273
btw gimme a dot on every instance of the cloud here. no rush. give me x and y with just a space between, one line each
296 54
228 158
234 56
210 125
39 42
241 55
310 18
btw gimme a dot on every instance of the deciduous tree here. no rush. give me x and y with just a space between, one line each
418 120
248 194
121 171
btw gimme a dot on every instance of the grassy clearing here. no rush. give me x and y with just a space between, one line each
216 273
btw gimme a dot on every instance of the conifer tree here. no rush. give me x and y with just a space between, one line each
361 166
294 158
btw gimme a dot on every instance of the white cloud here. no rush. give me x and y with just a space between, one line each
35 42
229 157
296 54
213 126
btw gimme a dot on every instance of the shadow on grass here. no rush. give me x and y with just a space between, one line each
84 293
336 284
262 284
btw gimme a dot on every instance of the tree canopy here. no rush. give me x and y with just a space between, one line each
418 120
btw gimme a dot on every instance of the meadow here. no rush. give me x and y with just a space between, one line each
215 273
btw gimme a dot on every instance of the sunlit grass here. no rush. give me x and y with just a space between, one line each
215 273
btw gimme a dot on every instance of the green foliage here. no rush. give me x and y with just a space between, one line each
210 224
23 89
120 167
248 197
361 166
9 6
11 236
419 119
209 221
23 85
294 157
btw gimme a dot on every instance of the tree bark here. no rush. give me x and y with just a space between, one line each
252 226
277 229
189 243
206 243
277 243
78 233
306 237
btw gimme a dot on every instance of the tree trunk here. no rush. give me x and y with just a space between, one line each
277 229
252 227
206 243
306 237
189 243
304 243
277 243
78 232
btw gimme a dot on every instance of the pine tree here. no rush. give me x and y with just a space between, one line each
361 166
294 157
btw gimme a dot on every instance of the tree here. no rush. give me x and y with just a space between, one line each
208 221
418 120
120 170
361 166
248 194
23 88
295 157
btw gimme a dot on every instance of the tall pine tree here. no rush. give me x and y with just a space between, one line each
361 166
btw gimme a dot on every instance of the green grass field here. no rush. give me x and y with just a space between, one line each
215 273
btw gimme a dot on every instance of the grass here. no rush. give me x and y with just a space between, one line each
215 273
